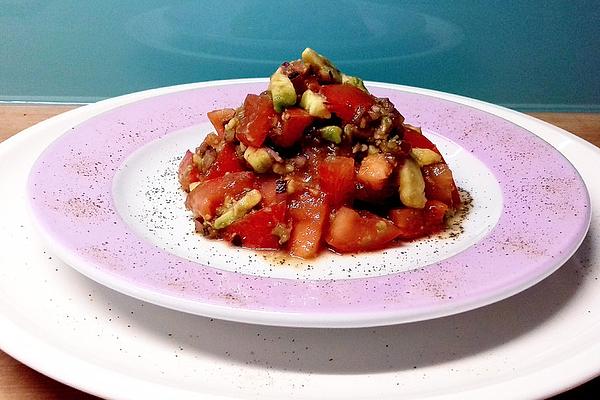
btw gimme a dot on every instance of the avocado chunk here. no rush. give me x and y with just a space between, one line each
354 81
259 159
282 232
282 91
425 156
325 68
411 185
331 133
314 104
238 209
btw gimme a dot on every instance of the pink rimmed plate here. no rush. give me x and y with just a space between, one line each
105 197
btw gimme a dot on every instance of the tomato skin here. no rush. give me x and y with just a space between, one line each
188 172
226 161
350 231
219 118
308 213
255 229
336 179
417 140
257 120
439 184
293 122
209 195
346 101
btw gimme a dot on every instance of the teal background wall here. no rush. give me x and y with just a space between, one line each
528 55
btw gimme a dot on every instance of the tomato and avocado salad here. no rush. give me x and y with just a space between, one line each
315 162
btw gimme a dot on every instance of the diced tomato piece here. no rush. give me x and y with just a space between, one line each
418 140
439 184
188 172
435 212
350 231
219 118
314 157
336 178
293 123
376 197
226 161
418 222
209 195
268 188
374 171
256 121
306 82
438 189
298 72
307 205
309 213
312 83
255 230
194 175
346 101
456 200
305 239
410 222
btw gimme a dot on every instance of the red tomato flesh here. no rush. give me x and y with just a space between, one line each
415 139
309 213
293 123
439 184
268 191
435 212
336 178
303 82
374 171
226 161
410 222
350 231
257 120
414 223
346 101
219 118
188 172
209 195
255 230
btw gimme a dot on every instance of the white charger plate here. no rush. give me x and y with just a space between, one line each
534 344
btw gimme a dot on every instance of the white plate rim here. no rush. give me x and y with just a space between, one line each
314 319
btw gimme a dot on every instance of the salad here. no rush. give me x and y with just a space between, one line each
316 162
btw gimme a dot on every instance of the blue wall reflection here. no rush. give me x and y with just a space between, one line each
529 55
